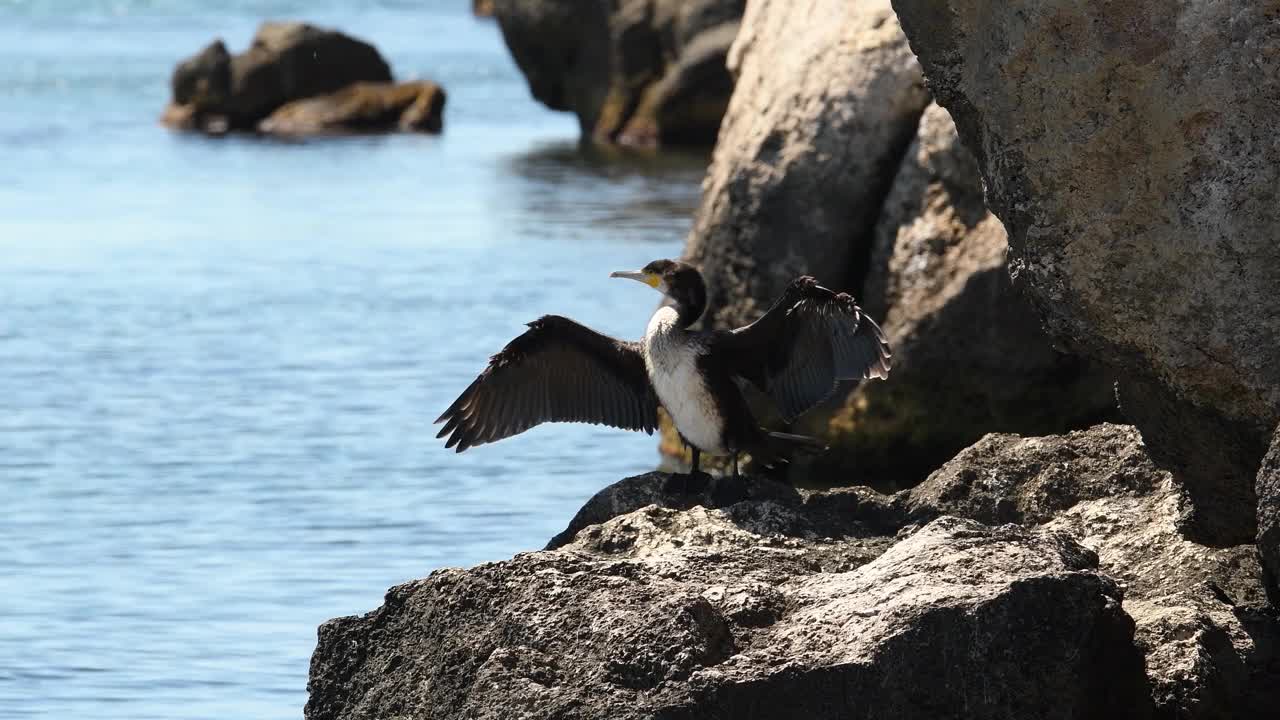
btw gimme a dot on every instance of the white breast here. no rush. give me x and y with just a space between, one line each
672 360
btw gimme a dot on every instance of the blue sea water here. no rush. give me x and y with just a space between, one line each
220 359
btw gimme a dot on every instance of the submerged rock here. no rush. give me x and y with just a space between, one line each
635 72
1129 150
296 78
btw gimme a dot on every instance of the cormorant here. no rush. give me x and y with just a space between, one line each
561 371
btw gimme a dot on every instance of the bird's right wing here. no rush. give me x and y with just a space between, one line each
557 371
807 343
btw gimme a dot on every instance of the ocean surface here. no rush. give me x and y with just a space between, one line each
220 359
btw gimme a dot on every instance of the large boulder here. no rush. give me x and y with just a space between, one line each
637 72
1129 150
215 91
1028 577
709 614
827 100
1268 488
1211 649
362 107
969 354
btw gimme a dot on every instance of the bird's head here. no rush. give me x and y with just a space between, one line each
677 280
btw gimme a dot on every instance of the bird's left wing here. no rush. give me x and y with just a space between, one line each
809 341
557 371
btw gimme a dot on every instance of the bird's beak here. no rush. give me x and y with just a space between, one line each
649 279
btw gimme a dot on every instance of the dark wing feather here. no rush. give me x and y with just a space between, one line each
557 371
809 341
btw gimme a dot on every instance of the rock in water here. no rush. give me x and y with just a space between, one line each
636 72
667 614
827 100
969 354
1129 149
287 61
362 107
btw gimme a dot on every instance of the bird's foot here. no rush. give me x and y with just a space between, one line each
729 489
686 483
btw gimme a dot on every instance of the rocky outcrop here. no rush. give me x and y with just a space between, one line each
970 356
298 79
1212 649
1268 489
362 107
636 72
1128 150
1029 577
827 100
708 614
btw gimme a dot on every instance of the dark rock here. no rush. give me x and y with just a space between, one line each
969 355
1129 150
362 107
773 508
1211 649
636 72
216 91
1269 518
827 101
684 614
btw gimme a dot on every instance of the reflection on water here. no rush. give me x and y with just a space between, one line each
221 358
565 185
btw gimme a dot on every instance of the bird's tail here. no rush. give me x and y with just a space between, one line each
802 443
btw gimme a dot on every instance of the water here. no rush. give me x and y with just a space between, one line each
220 359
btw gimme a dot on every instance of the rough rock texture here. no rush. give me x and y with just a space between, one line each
969 354
1129 149
362 107
637 72
827 100
1268 487
215 91
703 614
1212 650
1028 577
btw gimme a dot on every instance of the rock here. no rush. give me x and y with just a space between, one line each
837 512
827 100
362 107
1268 488
482 8
636 72
1129 151
685 614
290 61
969 355
1211 651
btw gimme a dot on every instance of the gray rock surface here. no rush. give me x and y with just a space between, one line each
1129 150
702 614
1028 577
1210 646
969 354
1268 488
827 99
214 91
637 72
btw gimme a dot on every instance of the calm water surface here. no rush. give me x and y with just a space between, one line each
220 359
